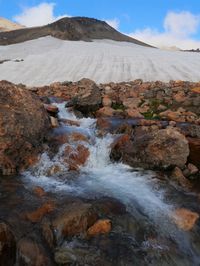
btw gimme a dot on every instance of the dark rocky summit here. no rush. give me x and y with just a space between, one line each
74 29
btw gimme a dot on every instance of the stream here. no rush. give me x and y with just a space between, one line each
147 230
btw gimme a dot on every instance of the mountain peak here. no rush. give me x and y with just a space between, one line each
69 28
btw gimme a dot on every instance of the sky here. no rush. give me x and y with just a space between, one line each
163 23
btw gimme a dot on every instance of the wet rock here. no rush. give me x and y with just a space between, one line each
74 220
185 219
100 227
70 122
78 256
7 246
88 99
31 253
47 234
54 121
38 214
24 124
160 149
193 170
51 109
194 144
77 136
75 157
178 176
39 191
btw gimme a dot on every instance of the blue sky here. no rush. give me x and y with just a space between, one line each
149 20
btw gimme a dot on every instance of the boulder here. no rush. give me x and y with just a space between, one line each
24 123
88 99
159 149
7 246
75 220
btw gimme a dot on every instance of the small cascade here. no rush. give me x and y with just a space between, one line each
137 189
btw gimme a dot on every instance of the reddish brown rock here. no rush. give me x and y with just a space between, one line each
100 227
194 156
106 101
7 246
77 136
75 220
134 113
52 109
178 176
38 214
54 121
39 191
70 122
185 219
31 253
75 157
105 112
23 126
159 149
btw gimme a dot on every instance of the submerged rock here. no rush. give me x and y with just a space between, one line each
23 126
74 220
185 219
160 149
100 227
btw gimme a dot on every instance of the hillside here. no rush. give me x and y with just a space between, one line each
75 29
7 25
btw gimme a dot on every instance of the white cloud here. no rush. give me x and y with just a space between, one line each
39 15
114 23
179 29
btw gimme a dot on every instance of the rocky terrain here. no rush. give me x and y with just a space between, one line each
74 29
155 126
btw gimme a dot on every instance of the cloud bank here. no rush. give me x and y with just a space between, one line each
179 31
39 15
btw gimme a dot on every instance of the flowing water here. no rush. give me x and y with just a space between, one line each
149 200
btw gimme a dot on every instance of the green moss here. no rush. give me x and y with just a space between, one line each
118 106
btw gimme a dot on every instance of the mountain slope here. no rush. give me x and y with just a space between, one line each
7 25
75 28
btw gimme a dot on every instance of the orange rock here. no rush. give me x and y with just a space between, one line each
196 90
105 112
38 214
134 113
100 227
76 136
121 141
179 97
75 157
106 101
39 191
55 169
177 175
185 219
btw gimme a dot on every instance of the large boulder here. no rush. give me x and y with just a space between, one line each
160 149
23 126
88 99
